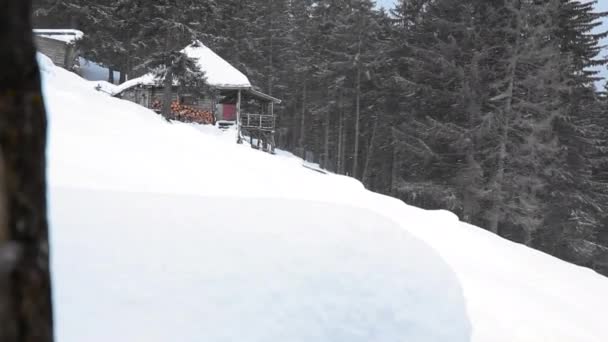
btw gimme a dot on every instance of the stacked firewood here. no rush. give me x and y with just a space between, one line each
185 113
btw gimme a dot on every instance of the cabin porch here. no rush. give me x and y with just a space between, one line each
254 116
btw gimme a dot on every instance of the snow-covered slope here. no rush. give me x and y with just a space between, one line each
172 232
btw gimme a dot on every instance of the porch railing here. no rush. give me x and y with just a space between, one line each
258 121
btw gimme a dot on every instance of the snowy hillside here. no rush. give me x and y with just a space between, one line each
172 232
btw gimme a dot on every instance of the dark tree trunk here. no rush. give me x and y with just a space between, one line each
355 170
25 291
341 135
325 160
167 94
122 69
369 156
123 77
302 140
111 75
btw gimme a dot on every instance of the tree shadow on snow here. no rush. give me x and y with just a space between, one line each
206 269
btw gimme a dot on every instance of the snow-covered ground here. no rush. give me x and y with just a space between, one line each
172 232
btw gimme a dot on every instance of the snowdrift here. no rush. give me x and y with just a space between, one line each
164 232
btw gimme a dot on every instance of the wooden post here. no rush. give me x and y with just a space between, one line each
272 131
214 107
239 138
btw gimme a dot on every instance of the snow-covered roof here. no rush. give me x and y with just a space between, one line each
219 73
147 79
65 35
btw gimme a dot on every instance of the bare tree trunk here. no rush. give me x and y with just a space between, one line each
495 214
168 81
295 129
368 156
111 75
25 286
395 169
326 143
303 120
167 93
270 54
123 76
357 123
126 67
472 171
340 135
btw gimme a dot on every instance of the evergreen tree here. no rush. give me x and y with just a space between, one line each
576 207
122 34
176 68
440 68
525 104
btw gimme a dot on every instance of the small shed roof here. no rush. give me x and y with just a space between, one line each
68 36
263 96
230 95
220 74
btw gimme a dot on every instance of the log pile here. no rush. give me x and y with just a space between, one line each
189 114
185 113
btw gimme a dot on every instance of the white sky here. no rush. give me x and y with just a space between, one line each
389 3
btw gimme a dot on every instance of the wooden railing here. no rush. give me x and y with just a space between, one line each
257 121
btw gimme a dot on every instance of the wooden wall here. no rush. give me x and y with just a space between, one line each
146 97
62 54
137 95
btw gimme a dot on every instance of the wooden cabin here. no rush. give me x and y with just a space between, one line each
59 46
232 101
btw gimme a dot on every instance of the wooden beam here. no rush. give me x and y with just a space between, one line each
239 137
214 106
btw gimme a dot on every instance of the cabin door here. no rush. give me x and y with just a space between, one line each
229 112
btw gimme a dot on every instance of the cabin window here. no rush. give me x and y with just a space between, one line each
188 100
